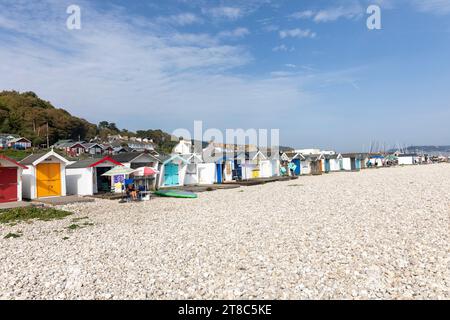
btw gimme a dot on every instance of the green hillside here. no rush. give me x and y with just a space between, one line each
27 115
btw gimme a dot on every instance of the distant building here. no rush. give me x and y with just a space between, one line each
13 141
407 159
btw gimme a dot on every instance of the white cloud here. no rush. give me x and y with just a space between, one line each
271 28
439 7
297 33
283 48
302 14
290 65
236 33
331 14
182 19
140 77
231 13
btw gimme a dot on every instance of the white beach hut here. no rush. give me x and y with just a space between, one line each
45 175
85 177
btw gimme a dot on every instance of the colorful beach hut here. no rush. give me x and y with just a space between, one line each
173 171
45 175
10 180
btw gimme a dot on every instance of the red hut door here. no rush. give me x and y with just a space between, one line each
8 184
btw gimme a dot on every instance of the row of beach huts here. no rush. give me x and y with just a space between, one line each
50 174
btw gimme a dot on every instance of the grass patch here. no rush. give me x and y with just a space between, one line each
73 227
31 213
79 219
65 238
16 154
88 224
13 235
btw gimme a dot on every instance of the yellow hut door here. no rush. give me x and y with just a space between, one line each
48 180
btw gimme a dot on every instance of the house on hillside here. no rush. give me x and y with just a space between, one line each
13 141
121 149
4 138
183 147
85 177
20 143
141 146
72 148
45 175
93 149
10 180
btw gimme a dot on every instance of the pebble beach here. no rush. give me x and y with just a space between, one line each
375 234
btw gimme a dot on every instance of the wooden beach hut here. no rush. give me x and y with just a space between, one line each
10 180
45 175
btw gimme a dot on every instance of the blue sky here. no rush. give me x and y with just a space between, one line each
309 68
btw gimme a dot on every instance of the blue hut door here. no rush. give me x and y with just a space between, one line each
171 174
327 165
237 171
297 169
358 164
219 172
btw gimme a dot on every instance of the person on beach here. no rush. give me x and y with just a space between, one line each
131 192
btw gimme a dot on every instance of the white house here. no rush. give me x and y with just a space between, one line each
45 175
84 177
183 147
406 159
10 180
